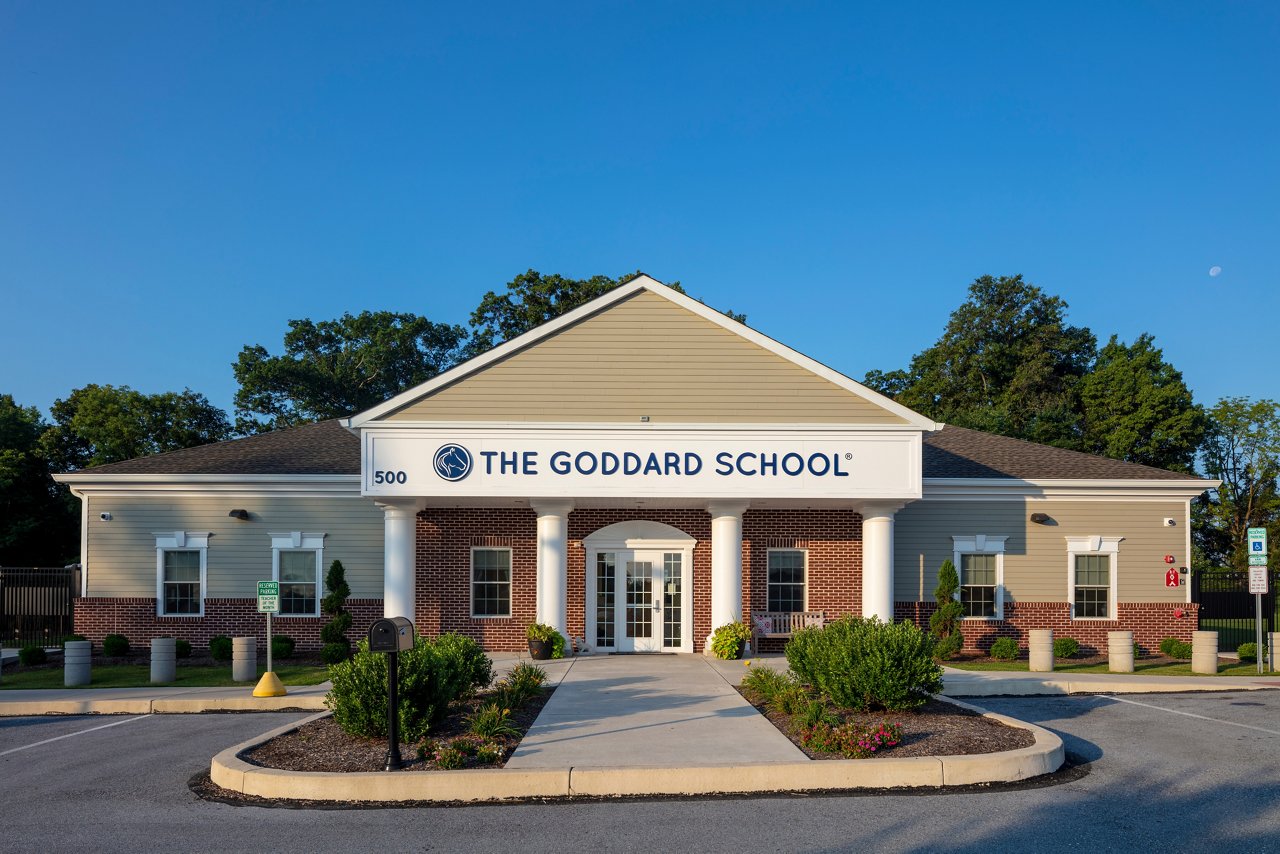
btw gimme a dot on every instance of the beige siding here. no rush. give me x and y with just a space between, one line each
122 552
1035 561
646 356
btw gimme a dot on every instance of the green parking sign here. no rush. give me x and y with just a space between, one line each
268 597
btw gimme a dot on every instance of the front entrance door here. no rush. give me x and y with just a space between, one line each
640 600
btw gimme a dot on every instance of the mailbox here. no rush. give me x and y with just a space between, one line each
391 634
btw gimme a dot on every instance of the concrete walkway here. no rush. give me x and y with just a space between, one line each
649 711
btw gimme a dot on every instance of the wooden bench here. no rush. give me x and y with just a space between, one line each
781 624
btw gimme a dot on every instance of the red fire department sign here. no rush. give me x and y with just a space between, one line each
1171 577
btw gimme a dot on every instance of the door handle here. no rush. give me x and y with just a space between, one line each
657 604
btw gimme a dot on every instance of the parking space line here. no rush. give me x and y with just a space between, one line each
1184 714
70 734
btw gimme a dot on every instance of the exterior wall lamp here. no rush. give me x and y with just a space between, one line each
242 515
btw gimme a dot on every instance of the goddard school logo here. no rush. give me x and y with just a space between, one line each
452 462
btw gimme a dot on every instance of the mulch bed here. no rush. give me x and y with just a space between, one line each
322 745
937 728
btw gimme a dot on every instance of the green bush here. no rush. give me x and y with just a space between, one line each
543 632
866 664
765 683
1247 652
728 641
70 638
332 653
1005 649
182 648
115 646
282 646
333 634
220 648
791 700
31 655
1178 649
1166 646
1065 647
432 676
944 623
522 684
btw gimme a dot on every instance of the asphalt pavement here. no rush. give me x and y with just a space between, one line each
1170 773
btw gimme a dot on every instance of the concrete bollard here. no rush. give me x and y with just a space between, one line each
164 660
1204 652
1273 644
1120 652
1040 644
76 666
244 659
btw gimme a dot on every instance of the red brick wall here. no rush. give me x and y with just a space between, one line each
135 618
1150 623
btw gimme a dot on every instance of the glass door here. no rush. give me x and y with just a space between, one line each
639 600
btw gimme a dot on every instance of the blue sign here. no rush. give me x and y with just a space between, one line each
452 462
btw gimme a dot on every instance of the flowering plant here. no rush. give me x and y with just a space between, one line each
851 740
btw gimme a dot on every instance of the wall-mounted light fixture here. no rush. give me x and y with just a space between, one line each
242 515
106 517
1040 518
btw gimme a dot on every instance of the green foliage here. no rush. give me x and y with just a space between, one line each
182 648
70 638
1065 647
332 653
1175 648
791 699
282 646
852 740
1005 649
492 721
867 664
543 632
520 685
333 634
944 623
764 683
1247 651
450 758
39 519
815 712
489 752
115 646
728 640
31 655
1242 449
220 648
1166 646
432 675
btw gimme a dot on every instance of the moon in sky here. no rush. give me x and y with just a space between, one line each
1215 270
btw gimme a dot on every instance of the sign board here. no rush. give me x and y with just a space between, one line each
1258 579
268 597
1171 578
1257 547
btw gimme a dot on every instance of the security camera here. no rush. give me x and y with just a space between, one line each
1170 523
106 517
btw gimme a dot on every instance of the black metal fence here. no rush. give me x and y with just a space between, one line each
37 604
1227 606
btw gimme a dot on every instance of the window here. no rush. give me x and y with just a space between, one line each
296 559
490 582
786 580
979 562
1092 566
181 562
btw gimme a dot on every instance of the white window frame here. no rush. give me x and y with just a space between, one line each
805 583
981 544
1094 545
298 541
511 582
181 541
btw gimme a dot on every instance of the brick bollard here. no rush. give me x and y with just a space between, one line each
76 666
244 659
164 660
1120 652
1040 644
1204 652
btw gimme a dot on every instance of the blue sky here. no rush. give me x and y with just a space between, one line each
178 180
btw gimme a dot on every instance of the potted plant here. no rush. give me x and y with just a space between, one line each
545 642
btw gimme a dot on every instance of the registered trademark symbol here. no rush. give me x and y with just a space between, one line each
848 456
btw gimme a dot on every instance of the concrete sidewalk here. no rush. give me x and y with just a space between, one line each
156 700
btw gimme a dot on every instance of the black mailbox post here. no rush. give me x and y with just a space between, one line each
391 635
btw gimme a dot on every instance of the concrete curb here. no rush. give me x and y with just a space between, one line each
160 705
229 771
1066 685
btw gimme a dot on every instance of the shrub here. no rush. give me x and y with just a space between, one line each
115 646
944 623
332 653
333 634
182 648
1166 646
282 646
791 700
450 758
522 683
851 740
31 655
765 683
70 638
432 676
492 721
543 632
1005 649
727 641
866 664
1065 647
1179 649
220 648
1247 651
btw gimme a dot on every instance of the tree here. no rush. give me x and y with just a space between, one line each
37 527
1136 407
944 623
1006 363
337 367
532 299
1242 449
333 634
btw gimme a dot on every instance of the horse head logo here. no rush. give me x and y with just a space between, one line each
453 462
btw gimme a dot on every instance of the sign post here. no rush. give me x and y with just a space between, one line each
269 603
1258 580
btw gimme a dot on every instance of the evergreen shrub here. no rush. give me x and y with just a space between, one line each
333 634
866 664
1247 652
282 646
944 623
115 646
31 655
1065 647
182 648
1004 649
220 648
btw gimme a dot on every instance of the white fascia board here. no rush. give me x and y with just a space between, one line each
642 282
247 484
527 427
976 489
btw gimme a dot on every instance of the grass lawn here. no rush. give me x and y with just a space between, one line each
1159 668
139 676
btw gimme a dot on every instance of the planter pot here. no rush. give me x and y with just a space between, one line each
540 650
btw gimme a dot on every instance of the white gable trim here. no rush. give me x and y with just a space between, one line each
640 283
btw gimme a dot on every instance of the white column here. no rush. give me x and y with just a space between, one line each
553 563
726 563
877 561
399 550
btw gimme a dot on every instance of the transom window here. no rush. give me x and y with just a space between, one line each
296 559
786 580
490 582
181 569
978 590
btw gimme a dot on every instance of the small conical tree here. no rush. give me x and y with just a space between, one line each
334 633
944 623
